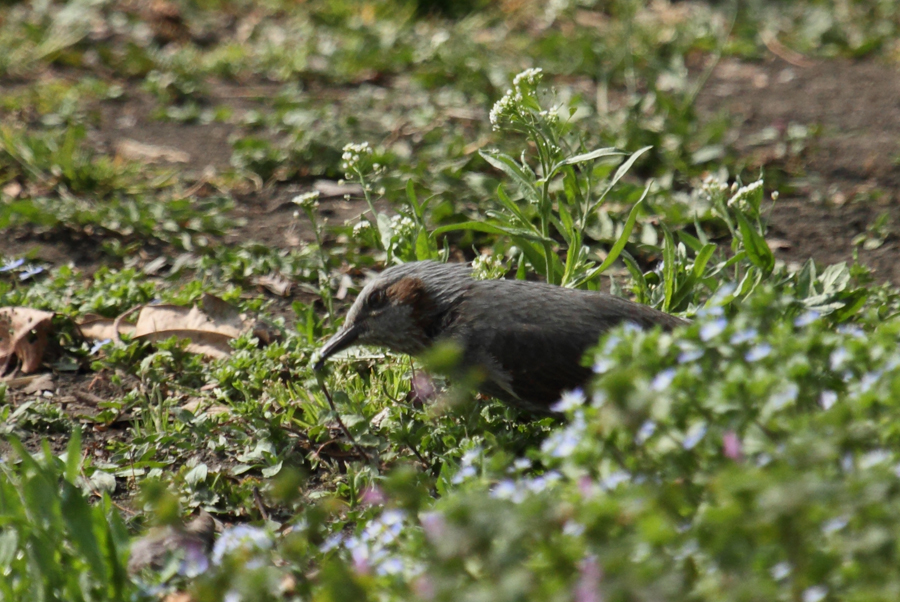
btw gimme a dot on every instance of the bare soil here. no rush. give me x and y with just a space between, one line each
847 175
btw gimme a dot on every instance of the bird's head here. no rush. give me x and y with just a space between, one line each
401 309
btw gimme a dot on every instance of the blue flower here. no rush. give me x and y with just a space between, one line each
710 330
241 537
662 380
689 355
838 357
743 336
784 396
615 479
99 345
806 319
758 352
26 274
827 399
8 267
569 401
695 435
646 431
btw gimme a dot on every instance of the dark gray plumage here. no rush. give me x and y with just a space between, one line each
527 338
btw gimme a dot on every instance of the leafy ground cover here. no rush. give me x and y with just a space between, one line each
257 160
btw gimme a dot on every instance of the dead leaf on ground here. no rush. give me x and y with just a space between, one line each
33 383
97 328
23 333
208 328
150 153
330 188
276 284
196 403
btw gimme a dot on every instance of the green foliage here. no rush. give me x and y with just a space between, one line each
54 544
751 455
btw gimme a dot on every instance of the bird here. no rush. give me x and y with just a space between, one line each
525 339
191 542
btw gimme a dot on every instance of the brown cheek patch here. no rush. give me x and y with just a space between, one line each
411 292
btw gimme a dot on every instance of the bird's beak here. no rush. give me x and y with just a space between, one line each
344 338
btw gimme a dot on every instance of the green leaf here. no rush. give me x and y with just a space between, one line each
514 209
79 522
492 229
424 249
668 268
619 245
413 201
757 248
508 165
73 456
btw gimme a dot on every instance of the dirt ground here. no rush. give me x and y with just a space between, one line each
849 172
846 176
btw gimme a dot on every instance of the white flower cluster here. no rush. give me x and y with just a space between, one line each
353 154
307 201
530 76
713 186
524 83
360 228
743 192
488 267
404 227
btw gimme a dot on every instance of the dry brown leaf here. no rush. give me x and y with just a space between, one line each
330 188
13 189
150 153
101 329
33 383
23 333
276 284
209 329
195 403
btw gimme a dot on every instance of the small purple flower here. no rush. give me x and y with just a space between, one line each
373 496
360 556
423 587
587 589
586 486
423 389
758 352
731 446
434 525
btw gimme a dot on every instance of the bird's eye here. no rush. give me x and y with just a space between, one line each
377 299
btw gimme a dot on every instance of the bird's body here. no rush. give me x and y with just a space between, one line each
526 338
